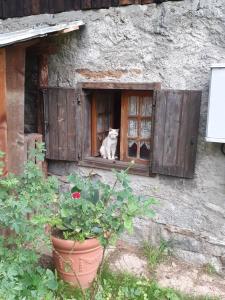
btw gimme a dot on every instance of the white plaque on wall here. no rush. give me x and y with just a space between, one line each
216 109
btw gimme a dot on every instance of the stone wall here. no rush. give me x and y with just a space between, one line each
174 43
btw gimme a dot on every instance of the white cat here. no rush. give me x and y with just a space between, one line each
108 148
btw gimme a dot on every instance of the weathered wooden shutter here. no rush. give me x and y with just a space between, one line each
62 118
175 132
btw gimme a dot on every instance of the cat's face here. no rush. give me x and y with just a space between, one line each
113 133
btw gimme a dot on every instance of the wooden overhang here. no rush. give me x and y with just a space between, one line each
19 36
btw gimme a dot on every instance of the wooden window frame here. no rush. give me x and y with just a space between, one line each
86 160
124 129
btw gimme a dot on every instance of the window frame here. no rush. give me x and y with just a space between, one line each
124 130
85 158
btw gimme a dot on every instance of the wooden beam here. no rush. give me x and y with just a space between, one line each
44 47
119 86
42 84
3 120
15 79
43 71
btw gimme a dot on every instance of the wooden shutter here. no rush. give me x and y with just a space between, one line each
175 132
62 118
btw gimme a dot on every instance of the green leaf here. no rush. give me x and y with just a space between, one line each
128 224
51 282
149 213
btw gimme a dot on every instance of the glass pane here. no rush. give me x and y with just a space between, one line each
146 106
145 150
133 106
132 128
109 104
100 105
107 121
132 148
145 128
100 123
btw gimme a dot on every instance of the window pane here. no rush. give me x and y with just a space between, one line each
132 128
100 123
107 121
146 106
133 106
145 128
100 106
145 150
132 148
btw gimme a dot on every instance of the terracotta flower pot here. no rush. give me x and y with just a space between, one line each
77 260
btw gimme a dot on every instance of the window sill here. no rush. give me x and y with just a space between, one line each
105 164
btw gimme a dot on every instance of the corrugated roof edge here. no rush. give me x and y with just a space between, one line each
10 38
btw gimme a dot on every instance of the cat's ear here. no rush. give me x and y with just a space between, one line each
117 130
110 129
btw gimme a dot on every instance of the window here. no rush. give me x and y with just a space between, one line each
136 126
158 128
130 112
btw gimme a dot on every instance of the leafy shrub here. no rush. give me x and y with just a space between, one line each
25 203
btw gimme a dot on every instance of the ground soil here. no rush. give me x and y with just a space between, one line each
171 273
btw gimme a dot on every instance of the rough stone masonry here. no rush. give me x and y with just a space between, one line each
174 43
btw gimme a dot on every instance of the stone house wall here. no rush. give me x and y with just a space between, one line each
174 43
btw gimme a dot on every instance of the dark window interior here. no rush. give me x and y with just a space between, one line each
106 113
31 90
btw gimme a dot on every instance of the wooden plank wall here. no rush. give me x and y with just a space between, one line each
19 8
3 122
15 71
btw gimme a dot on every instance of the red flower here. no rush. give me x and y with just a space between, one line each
76 195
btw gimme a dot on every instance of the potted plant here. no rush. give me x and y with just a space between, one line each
89 218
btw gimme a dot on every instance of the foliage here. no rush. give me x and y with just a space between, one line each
155 254
209 269
100 209
24 206
122 286
1 162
